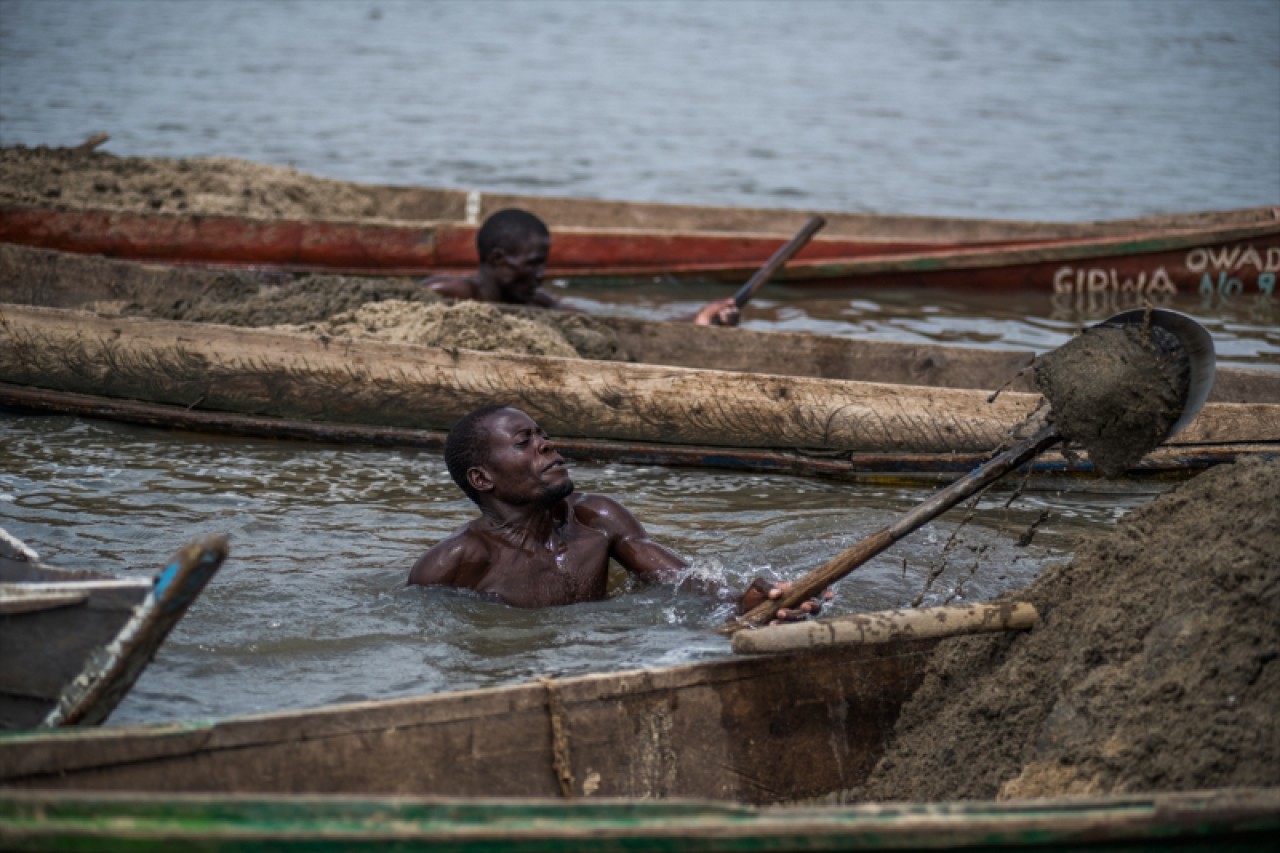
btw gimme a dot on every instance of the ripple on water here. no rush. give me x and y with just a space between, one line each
311 607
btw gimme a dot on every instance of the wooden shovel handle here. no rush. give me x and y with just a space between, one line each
845 562
780 257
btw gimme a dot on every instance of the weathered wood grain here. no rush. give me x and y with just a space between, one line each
781 729
314 378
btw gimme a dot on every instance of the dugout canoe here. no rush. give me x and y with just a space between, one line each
610 759
1220 820
68 281
292 385
785 728
417 231
75 641
52 279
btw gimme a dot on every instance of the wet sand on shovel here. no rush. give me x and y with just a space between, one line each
1115 391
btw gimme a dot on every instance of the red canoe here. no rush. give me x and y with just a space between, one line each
1227 252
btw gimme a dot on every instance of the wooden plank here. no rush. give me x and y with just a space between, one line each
827 357
46 650
15 598
820 356
886 626
778 729
1163 257
64 664
1151 265
357 381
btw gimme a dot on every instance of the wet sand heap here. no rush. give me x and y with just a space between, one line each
396 311
387 309
76 178
473 326
1156 666
1116 391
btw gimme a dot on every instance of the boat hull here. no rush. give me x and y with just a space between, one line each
420 232
785 728
74 643
309 378
721 398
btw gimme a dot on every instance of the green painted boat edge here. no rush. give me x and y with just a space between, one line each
1229 819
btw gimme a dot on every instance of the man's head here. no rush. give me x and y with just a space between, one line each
513 246
500 453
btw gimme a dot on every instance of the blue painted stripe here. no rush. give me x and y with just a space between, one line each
166 578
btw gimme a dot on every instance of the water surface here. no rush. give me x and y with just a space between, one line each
311 607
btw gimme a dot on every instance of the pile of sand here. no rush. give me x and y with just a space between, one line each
393 310
467 325
72 178
246 298
1155 667
388 309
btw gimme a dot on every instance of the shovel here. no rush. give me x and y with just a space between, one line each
785 253
1191 337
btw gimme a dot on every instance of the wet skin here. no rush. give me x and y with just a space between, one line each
514 277
538 543
510 276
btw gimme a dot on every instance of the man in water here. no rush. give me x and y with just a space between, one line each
513 246
537 543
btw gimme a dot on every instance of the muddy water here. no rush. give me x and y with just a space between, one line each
1245 330
311 608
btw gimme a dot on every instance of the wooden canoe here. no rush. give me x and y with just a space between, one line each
65 280
784 728
416 231
1221 820
75 642
596 409
721 398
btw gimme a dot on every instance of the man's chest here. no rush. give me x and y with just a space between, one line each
563 569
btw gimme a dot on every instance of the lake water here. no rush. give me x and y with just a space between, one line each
1035 109
311 607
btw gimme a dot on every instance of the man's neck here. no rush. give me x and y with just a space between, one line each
527 522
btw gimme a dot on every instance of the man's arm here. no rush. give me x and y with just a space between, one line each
631 546
722 312
629 543
545 299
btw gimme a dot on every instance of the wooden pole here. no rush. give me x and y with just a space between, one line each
865 629
779 259
845 562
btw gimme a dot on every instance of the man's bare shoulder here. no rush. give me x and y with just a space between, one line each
603 513
451 286
453 559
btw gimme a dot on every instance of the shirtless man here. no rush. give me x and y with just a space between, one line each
513 246
537 543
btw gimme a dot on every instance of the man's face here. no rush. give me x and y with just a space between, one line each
521 269
523 465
